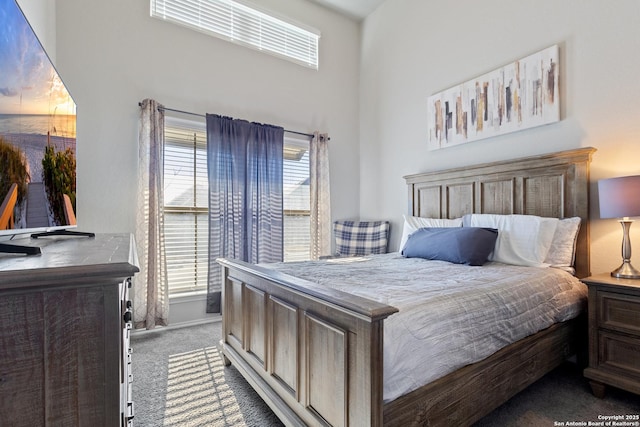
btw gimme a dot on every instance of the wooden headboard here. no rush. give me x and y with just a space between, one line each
551 185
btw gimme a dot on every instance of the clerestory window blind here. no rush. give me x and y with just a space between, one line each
241 24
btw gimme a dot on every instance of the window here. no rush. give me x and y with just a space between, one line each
237 23
186 188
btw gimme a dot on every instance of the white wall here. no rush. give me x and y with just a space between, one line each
412 49
112 54
41 15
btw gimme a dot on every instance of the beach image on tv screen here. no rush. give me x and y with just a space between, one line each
37 131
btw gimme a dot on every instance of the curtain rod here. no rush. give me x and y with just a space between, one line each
203 116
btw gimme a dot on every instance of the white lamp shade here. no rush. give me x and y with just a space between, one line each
619 197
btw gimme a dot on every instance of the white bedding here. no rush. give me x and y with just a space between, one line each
450 315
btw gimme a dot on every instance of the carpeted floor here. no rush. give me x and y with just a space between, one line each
179 380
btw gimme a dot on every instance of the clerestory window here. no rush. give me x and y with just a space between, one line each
245 25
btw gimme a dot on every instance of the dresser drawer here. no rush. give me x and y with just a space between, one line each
619 353
619 312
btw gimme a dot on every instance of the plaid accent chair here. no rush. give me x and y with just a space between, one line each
361 237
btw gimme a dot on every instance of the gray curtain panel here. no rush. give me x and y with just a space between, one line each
321 226
244 164
151 289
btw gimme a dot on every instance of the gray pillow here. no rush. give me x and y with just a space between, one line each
464 245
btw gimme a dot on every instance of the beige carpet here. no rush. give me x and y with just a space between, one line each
531 419
197 393
179 380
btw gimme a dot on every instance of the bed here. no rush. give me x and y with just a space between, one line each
315 353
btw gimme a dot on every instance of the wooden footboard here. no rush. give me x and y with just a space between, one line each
313 354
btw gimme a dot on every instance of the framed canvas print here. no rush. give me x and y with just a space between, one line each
517 96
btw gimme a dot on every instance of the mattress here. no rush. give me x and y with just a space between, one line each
449 315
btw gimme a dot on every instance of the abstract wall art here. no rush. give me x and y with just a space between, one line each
517 96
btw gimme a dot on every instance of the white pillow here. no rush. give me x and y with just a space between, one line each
522 239
562 251
413 223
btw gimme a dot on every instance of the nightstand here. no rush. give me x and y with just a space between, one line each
614 333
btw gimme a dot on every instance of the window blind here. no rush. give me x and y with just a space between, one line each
296 200
186 191
241 24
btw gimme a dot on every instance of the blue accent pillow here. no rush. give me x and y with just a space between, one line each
459 245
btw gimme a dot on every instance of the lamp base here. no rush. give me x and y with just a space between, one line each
626 271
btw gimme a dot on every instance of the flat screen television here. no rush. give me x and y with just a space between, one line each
37 135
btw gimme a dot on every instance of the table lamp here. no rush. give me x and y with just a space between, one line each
620 198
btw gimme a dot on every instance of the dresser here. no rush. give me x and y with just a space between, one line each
614 333
65 320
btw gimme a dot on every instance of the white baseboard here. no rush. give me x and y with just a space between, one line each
172 326
184 311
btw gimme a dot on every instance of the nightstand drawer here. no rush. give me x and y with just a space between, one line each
619 312
619 352
614 333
